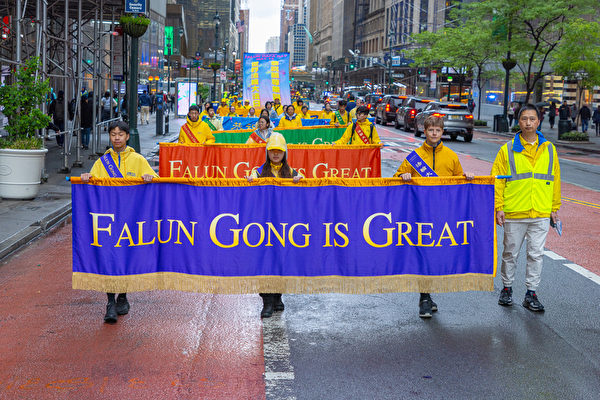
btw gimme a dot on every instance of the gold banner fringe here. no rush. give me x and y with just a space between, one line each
282 284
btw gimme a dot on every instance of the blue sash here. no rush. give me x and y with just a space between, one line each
110 166
420 165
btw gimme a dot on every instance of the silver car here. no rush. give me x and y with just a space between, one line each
458 121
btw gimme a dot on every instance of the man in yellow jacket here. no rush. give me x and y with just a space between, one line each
277 106
341 117
196 130
430 160
526 203
120 161
360 132
223 109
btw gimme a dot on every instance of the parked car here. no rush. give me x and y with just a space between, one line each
406 113
386 110
458 121
371 101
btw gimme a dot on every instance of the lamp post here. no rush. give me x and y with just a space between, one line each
168 88
217 21
233 53
225 47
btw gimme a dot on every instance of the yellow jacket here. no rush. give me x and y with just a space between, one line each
366 128
532 152
443 161
294 123
242 110
130 163
201 131
345 118
304 116
278 108
326 115
223 111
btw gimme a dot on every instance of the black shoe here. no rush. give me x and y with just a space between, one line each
505 297
425 308
278 303
532 303
111 313
122 305
267 310
433 305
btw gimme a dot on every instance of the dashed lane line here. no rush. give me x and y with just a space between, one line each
584 272
279 373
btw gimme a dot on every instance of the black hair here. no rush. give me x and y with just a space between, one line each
266 118
264 111
351 97
285 171
194 107
304 106
529 106
342 102
299 101
267 103
362 110
288 107
122 125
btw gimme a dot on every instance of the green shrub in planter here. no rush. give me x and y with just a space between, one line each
515 128
479 122
134 26
575 136
21 102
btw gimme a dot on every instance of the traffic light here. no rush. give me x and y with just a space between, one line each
327 83
351 66
292 78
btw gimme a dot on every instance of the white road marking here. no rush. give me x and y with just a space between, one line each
279 373
584 272
553 255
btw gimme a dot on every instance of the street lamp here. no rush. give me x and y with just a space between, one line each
225 58
217 21
234 53
168 87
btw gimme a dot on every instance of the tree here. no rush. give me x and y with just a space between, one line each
578 56
529 30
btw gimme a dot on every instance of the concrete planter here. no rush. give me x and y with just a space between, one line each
20 173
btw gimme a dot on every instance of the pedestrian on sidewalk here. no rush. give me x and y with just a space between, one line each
119 161
144 104
564 111
526 203
57 110
552 115
87 120
440 161
574 113
107 103
275 166
585 114
596 120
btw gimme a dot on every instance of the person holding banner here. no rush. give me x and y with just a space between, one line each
263 131
430 160
298 105
341 116
304 113
359 103
275 166
252 112
327 112
290 119
195 130
277 106
204 113
527 203
232 112
271 113
120 161
360 132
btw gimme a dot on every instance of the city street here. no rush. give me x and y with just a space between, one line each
55 345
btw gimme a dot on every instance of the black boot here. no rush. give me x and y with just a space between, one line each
122 304
268 305
278 306
111 310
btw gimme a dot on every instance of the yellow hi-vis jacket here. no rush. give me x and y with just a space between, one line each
130 163
533 191
200 130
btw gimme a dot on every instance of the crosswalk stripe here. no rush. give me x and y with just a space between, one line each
584 272
553 255
279 372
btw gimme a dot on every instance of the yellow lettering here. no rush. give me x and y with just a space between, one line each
280 237
345 172
222 172
341 234
245 234
366 171
236 232
235 169
333 172
141 234
327 234
302 171
448 235
316 167
404 234
356 173
187 173
125 234
421 233
306 235
367 226
172 166
158 223
181 227
465 224
96 229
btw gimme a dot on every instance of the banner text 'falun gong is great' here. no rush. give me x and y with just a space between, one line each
317 236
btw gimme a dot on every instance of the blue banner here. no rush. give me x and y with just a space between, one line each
266 77
372 236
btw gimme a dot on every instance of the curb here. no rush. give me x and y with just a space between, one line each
586 147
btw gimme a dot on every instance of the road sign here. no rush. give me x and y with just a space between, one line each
397 75
135 6
223 76
180 31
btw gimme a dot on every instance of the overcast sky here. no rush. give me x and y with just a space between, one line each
264 23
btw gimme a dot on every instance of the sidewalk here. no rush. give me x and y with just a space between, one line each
23 220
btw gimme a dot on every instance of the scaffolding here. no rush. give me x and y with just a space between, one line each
74 40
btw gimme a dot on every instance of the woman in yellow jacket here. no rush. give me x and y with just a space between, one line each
195 130
120 161
290 119
275 166
304 113
204 112
223 109
327 113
